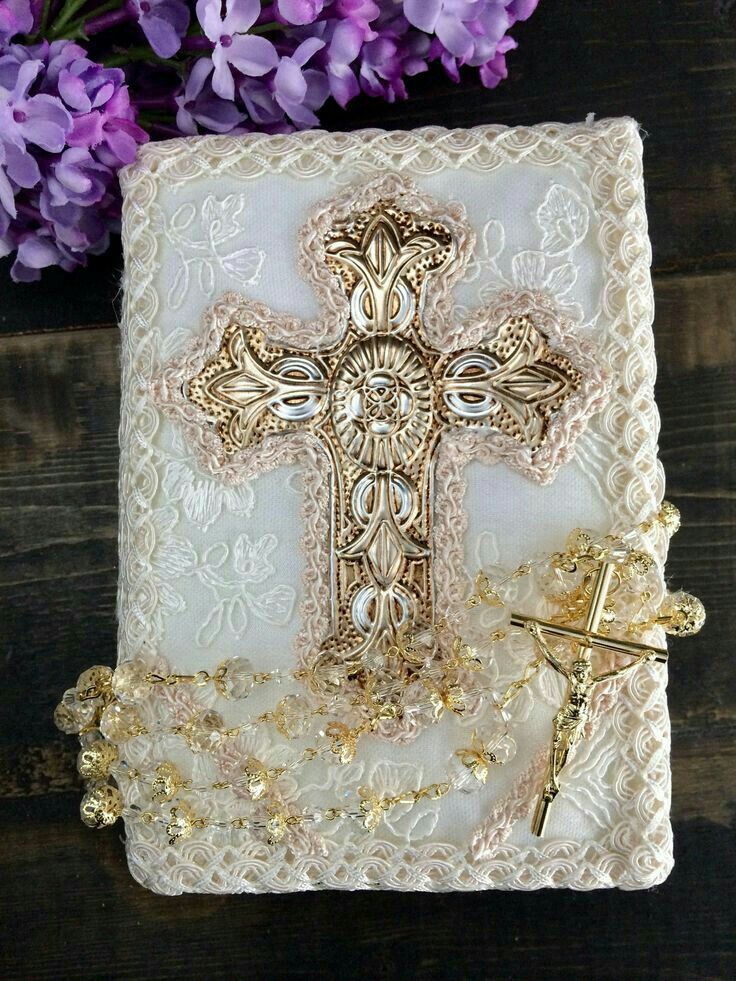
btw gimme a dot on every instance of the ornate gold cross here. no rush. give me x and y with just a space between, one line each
684 617
379 401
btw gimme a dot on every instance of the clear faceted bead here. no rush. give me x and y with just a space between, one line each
120 722
464 777
554 582
327 675
499 744
293 716
130 682
72 715
204 731
238 679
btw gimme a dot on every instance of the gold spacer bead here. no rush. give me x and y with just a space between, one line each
668 517
101 806
96 759
681 615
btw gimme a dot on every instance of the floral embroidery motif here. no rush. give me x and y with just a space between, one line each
204 498
171 557
207 240
563 219
235 603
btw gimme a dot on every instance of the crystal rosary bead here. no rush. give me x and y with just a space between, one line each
130 681
236 678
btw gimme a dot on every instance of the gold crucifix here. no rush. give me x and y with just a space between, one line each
379 401
568 725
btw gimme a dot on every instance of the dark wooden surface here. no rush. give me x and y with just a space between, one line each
68 905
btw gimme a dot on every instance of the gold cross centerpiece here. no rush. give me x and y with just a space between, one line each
378 400
584 622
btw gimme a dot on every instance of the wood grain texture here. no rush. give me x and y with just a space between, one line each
68 907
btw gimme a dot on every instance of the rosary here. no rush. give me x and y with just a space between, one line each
602 610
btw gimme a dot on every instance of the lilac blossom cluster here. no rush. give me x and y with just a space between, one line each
68 122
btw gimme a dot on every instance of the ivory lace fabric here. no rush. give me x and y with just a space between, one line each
222 562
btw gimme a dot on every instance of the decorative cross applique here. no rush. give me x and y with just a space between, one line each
379 401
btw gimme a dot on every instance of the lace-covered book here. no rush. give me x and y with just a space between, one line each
357 369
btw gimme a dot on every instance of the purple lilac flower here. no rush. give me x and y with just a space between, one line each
469 32
66 126
67 123
40 120
199 106
396 50
250 54
298 11
16 17
164 22
342 51
297 91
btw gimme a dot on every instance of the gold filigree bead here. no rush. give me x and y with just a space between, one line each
96 759
409 648
463 655
181 823
95 682
579 542
71 715
130 682
472 764
446 697
101 806
485 592
203 732
257 778
276 827
235 678
638 563
371 807
681 614
343 741
166 783
119 723
669 517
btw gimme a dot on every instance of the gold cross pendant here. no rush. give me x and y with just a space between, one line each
684 615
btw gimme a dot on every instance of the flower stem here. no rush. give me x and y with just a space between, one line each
68 11
79 28
44 19
265 28
141 53
153 103
105 17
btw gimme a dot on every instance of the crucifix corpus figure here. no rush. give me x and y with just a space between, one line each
568 725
